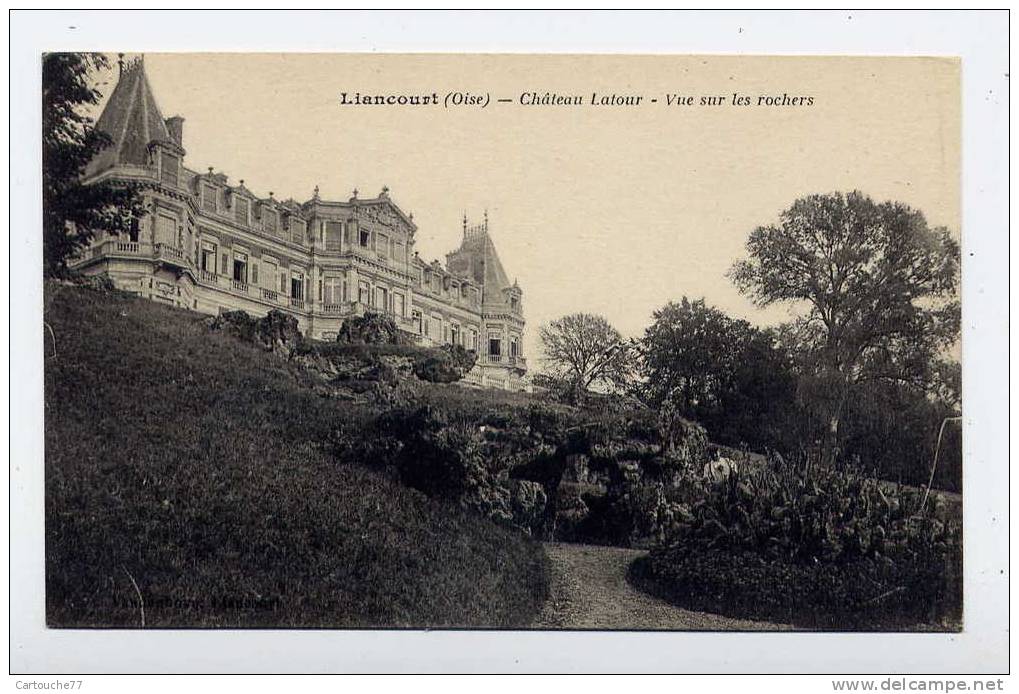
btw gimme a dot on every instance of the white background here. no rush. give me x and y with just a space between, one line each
980 39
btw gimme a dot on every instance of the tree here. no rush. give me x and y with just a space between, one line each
876 286
584 352
73 211
722 372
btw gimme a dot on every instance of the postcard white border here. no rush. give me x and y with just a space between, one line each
980 39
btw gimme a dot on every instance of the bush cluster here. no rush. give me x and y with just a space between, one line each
275 332
371 329
816 547
447 364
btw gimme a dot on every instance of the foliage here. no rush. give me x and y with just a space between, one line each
814 546
74 212
584 351
198 467
891 429
275 332
446 364
447 460
724 373
371 329
879 287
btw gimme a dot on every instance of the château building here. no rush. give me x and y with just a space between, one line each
211 246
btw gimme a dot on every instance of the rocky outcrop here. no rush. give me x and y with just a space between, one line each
370 329
277 332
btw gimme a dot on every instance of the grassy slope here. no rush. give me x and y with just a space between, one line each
196 466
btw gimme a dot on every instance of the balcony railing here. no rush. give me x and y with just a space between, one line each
270 295
296 303
207 277
240 286
504 360
166 251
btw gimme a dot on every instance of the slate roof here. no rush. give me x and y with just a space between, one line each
483 263
132 120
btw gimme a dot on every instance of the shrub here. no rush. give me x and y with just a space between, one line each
276 332
370 329
99 283
814 546
440 366
447 460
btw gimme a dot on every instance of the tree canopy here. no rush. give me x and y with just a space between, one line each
877 289
72 211
722 372
585 352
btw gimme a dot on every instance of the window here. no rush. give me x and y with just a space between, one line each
270 220
427 327
382 245
474 339
240 267
283 281
382 298
333 288
364 238
334 236
415 317
208 197
169 165
226 264
363 292
166 230
269 272
241 210
513 347
298 227
494 345
400 251
398 304
455 334
296 285
208 258
254 273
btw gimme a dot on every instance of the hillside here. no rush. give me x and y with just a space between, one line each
192 480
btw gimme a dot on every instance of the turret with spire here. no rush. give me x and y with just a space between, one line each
133 122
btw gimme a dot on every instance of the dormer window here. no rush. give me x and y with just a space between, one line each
241 210
365 238
270 220
297 230
169 167
208 197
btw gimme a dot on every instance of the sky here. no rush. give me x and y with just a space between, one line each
611 210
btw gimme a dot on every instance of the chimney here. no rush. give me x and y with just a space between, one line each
176 127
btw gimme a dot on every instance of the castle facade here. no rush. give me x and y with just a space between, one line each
208 245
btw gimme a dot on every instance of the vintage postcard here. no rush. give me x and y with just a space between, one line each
510 341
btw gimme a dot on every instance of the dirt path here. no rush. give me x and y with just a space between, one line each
590 591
